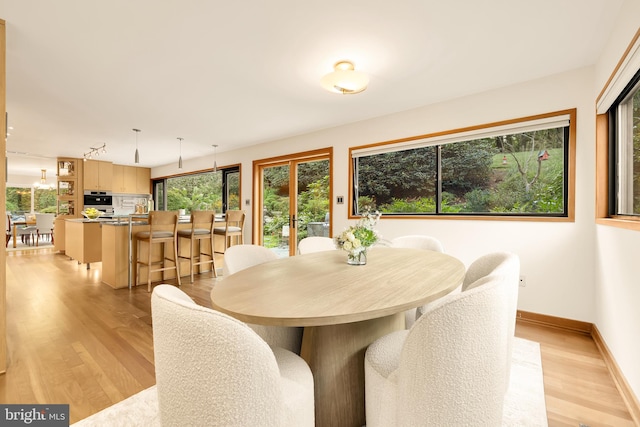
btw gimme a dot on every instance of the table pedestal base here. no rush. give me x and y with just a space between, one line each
335 354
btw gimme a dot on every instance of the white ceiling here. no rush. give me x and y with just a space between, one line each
81 73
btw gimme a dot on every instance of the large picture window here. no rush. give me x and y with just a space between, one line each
218 190
519 168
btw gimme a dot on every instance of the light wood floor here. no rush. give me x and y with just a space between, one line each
72 339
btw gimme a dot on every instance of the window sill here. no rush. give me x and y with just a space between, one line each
629 224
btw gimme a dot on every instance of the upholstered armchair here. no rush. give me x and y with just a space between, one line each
449 368
213 370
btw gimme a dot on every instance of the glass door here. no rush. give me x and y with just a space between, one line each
295 196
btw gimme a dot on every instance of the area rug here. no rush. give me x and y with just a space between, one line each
524 402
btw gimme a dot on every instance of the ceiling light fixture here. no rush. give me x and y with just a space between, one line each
345 79
137 156
215 163
95 151
180 159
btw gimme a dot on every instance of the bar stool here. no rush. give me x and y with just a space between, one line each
233 227
163 228
202 223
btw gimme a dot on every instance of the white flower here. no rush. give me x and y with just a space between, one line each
347 246
349 236
356 243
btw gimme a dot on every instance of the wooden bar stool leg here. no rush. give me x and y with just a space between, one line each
175 259
149 266
192 257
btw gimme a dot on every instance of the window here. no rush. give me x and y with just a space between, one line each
218 190
519 168
618 143
624 114
20 200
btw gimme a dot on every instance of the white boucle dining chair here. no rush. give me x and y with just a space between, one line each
417 241
315 244
449 368
213 370
240 257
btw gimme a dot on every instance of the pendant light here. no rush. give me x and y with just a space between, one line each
137 156
180 159
215 164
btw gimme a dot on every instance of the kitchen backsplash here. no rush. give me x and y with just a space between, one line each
126 204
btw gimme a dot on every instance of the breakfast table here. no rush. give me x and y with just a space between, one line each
29 221
343 308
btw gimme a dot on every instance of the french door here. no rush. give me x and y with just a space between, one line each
294 195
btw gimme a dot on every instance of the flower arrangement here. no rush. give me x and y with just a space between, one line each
356 239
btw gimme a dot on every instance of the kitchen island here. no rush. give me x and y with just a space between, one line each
120 252
83 240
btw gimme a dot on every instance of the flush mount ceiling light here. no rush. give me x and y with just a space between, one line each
345 79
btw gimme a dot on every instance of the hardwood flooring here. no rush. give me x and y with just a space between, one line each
72 339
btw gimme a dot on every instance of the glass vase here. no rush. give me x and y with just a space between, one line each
357 257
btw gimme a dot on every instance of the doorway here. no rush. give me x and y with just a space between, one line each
293 194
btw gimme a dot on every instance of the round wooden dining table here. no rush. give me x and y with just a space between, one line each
343 308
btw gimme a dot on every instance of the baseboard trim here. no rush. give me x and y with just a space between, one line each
621 383
630 399
554 322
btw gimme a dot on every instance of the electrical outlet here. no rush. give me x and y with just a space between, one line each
523 281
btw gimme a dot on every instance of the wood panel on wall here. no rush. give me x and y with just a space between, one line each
3 201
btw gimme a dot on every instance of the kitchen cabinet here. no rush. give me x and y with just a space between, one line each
131 179
143 180
59 234
83 241
69 187
98 175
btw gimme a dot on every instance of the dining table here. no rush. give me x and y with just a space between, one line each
343 308
29 221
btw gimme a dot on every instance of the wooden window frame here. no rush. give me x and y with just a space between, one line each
603 191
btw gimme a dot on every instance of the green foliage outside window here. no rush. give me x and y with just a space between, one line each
513 174
18 200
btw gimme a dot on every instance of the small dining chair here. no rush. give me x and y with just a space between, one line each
163 229
416 241
44 226
315 244
213 370
201 230
8 228
233 228
240 257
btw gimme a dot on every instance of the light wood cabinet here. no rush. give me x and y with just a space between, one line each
131 179
59 234
69 188
98 175
143 180
83 241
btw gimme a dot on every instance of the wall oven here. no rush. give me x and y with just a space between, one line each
101 200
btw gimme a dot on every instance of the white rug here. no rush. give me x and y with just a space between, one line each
524 402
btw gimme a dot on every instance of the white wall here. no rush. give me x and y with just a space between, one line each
553 255
617 266
573 270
